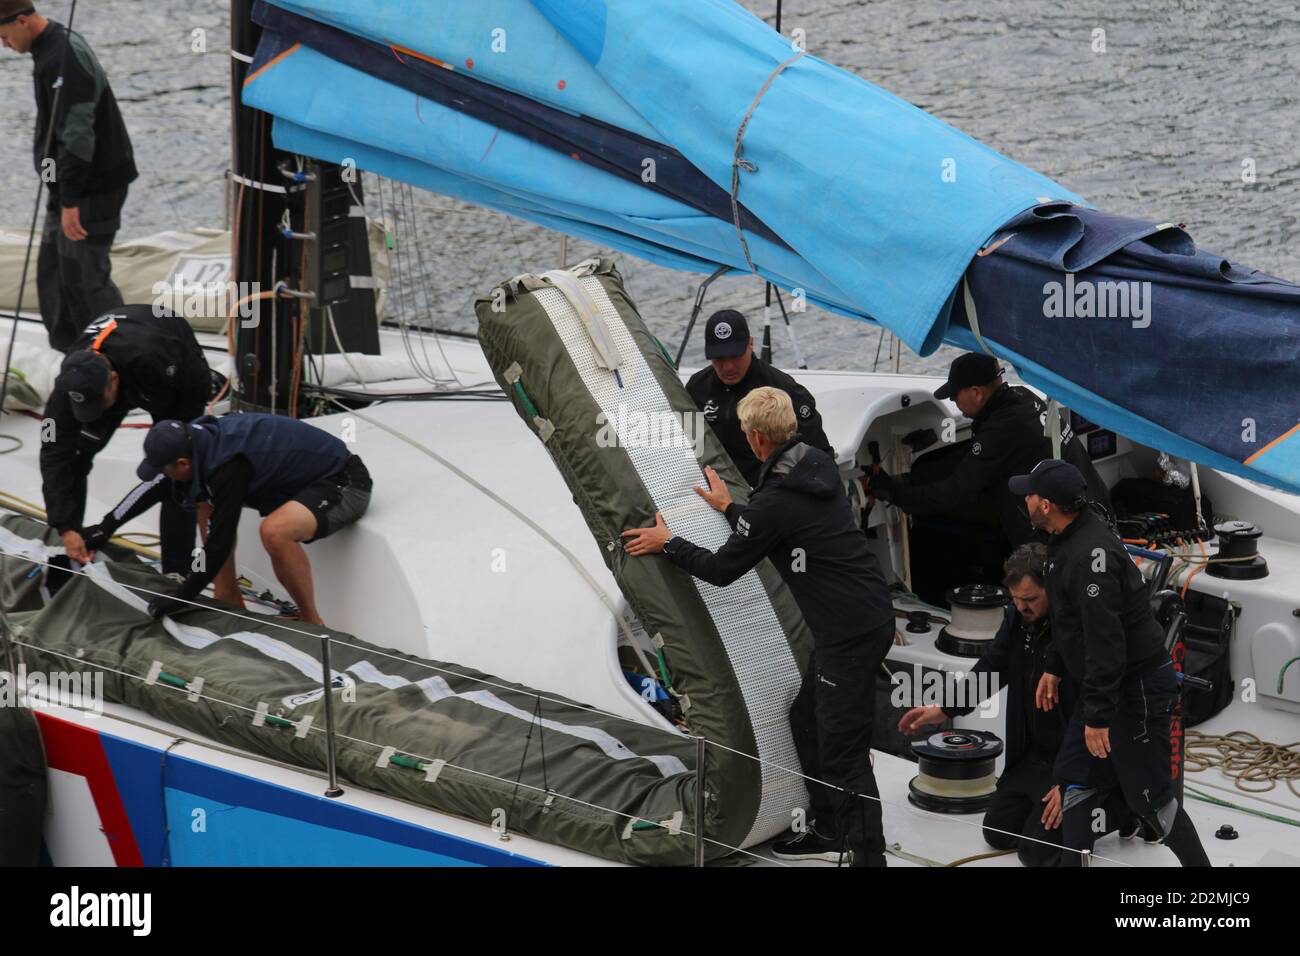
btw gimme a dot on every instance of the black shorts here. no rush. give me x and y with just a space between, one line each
339 499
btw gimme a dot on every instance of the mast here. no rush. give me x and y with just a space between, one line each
298 247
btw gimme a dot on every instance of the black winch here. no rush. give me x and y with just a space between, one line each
1238 559
957 771
976 617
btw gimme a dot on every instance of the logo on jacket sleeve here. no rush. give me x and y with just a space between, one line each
742 526
804 411
1093 590
976 448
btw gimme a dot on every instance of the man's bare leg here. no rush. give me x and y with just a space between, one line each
283 532
225 586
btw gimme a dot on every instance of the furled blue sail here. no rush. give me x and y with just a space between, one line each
689 133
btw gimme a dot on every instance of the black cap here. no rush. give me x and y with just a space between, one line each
726 334
1057 481
166 441
972 368
84 376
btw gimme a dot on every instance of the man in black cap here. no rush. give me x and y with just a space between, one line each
87 171
302 480
734 371
1106 637
1007 429
127 359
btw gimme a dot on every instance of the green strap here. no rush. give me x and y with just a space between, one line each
524 400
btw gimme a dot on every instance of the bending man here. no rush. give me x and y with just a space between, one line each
127 359
302 480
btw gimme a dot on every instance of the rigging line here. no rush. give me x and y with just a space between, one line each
313 728
36 204
378 652
426 286
262 619
890 803
409 283
546 536
396 287
571 799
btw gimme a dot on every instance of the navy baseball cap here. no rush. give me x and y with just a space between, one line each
972 368
726 334
1057 481
84 377
166 441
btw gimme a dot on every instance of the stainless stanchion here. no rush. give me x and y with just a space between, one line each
331 767
699 801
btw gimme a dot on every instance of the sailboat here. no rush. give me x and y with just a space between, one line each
485 618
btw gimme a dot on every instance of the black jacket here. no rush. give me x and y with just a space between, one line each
254 460
800 517
1007 440
91 148
718 402
1102 625
162 370
1018 657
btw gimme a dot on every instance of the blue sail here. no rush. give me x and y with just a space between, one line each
689 133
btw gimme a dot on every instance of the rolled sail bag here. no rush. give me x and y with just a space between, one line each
600 391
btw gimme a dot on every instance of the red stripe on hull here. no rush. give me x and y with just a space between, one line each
77 749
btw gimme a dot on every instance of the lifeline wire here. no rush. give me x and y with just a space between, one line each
382 747
273 622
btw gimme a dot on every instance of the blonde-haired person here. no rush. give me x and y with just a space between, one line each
800 517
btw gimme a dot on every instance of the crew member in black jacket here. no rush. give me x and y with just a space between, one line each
301 479
87 171
1105 636
1007 438
800 517
733 372
130 358
1028 798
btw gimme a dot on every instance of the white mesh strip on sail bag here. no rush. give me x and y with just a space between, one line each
664 458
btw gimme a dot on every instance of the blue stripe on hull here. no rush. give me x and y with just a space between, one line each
251 822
